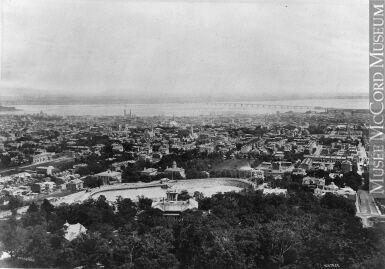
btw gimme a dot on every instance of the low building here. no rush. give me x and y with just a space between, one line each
299 172
279 155
109 177
172 207
46 170
312 182
306 164
208 148
149 172
39 187
117 147
71 231
75 185
347 192
42 157
265 166
164 149
322 190
275 191
346 166
258 174
246 149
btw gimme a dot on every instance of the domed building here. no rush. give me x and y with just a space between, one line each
175 172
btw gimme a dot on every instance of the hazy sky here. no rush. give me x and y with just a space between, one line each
182 49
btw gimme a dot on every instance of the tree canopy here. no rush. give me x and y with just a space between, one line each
231 230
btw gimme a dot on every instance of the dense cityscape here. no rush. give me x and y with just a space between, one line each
240 191
192 134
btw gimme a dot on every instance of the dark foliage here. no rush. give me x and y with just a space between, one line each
232 230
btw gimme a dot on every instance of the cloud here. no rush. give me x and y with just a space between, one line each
185 49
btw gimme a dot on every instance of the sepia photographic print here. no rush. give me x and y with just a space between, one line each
192 134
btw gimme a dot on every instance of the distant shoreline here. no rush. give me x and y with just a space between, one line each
8 108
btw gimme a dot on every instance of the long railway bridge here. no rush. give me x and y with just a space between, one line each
259 105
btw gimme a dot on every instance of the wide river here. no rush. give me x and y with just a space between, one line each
184 109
